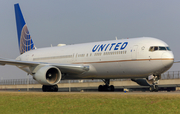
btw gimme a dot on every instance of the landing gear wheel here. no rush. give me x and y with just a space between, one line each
55 88
156 88
112 88
105 88
151 88
48 88
100 88
44 88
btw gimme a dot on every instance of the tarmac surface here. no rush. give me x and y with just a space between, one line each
128 93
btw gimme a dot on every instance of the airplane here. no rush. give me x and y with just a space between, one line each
134 58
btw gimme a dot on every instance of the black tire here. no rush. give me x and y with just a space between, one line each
100 88
151 88
55 88
44 89
156 88
106 88
112 88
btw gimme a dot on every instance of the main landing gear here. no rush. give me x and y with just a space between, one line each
50 88
154 86
106 87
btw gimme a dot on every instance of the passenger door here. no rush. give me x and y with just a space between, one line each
134 52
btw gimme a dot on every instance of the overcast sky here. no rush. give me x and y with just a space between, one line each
77 21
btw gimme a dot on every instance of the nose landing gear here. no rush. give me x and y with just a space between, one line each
154 86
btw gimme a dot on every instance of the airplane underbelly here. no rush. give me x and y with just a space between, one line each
128 69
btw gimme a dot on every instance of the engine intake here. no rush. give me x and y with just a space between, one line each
48 75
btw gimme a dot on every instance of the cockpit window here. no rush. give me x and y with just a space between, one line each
151 49
168 48
161 48
155 48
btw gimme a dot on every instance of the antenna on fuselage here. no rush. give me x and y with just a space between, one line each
116 38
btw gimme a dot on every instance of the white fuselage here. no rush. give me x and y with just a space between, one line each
125 58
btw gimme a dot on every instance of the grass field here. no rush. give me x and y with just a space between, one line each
88 103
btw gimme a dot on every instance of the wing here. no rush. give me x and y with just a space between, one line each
177 61
65 68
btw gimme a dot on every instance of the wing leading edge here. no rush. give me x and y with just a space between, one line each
177 61
65 68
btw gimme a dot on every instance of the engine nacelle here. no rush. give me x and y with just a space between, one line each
48 75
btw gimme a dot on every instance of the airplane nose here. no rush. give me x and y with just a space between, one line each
167 59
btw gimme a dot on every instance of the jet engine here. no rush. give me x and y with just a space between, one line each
48 75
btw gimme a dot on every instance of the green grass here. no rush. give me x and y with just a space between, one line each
88 103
